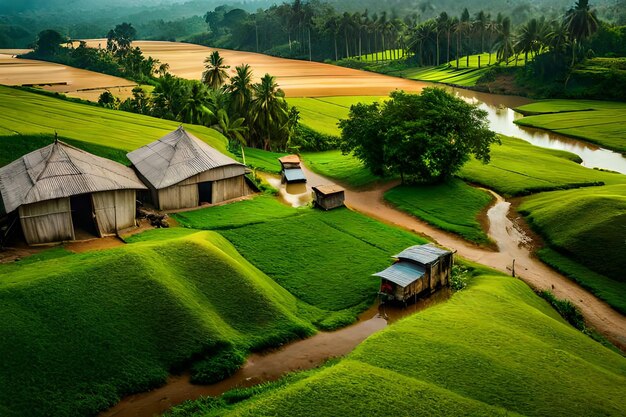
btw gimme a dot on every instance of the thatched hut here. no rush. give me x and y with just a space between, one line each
291 169
63 193
182 171
328 197
418 269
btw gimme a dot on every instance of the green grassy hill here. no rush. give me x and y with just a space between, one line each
79 331
600 122
453 206
28 113
586 225
494 348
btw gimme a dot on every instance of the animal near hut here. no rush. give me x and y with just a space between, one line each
63 193
418 269
291 169
183 171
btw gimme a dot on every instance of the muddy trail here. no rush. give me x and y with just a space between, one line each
513 245
273 364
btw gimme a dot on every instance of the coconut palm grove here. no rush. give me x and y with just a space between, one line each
312 208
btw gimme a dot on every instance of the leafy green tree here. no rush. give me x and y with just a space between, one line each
215 74
426 137
49 42
108 100
195 107
119 39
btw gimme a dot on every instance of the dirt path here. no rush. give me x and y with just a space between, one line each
512 245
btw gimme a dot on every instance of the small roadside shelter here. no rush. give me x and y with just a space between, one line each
329 196
417 269
291 169
63 193
183 171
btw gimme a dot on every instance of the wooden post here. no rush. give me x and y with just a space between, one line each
478 61
513 268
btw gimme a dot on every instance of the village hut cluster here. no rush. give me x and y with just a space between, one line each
62 193
420 269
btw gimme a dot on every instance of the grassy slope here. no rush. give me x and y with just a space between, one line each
453 206
27 113
99 325
519 168
492 349
587 225
600 122
323 113
345 169
324 258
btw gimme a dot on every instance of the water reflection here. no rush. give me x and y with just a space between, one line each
502 117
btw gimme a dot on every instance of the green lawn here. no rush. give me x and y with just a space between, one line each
79 331
453 206
587 225
263 160
345 169
28 113
323 113
494 348
519 168
600 122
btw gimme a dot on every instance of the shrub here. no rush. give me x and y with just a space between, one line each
459 278
565 308
218 366
307 139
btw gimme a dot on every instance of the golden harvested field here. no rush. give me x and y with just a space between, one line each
296 78
59 78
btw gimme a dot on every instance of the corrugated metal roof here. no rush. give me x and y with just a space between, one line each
328 189
423 254
61 170
294 175
176 157
402 273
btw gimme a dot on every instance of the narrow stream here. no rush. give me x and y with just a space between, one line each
270 366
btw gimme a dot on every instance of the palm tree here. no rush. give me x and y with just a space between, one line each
442 26
527 38
480 23
493 27
163 69
232 129
268 108
240 88
345 26
581 23
504 42
196 106
214 74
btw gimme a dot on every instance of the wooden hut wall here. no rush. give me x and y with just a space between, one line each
47 221
331 201
216 174
114 210
228 189
178 196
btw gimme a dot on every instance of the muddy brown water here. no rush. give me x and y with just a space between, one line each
271 365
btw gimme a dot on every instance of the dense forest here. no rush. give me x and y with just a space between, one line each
181 20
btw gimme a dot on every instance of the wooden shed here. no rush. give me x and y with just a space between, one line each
63 193
183 171
291 169
328 197
418 269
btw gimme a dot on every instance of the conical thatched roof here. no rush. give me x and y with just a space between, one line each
176 157
61 170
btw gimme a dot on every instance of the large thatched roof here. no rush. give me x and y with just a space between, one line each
176 157
61 170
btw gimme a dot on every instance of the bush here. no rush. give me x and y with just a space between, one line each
459 278
307 139
566 309
218 366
